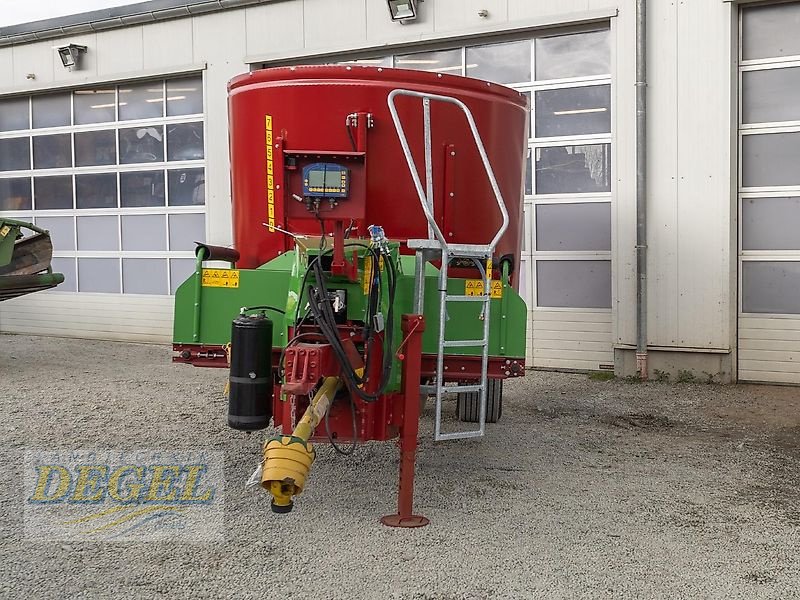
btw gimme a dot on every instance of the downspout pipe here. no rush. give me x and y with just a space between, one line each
641 189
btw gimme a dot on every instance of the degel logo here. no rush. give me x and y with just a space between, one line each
123 496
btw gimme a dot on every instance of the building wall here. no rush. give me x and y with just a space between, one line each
692 246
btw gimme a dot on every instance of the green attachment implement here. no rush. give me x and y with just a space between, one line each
26 252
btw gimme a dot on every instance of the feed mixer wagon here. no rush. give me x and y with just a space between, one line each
376 260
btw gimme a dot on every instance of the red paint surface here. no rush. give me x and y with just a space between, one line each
309 105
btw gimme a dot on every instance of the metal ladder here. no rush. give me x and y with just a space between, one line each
436 246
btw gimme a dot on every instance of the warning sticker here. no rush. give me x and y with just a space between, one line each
474 287
227 278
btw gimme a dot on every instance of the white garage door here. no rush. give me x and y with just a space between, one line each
116 173
769 198
568 202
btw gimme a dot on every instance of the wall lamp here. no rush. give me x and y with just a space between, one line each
71 55
403 11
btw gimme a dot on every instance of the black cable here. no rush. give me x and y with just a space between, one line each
245 309
376 285
325 321
322 227
330 332
305 277
350 135
353 442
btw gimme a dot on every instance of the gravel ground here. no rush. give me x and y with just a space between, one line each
585 489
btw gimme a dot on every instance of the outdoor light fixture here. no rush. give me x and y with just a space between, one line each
403 10
71 55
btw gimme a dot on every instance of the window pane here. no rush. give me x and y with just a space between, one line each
14 114
98 233
52 151
530 108
573 169
187 187
573 111
573 227
185 230
770 159
179 271
529 174
771 223
52 192
144 232
185 141
573 283
771 95
527 227
771 287
185 96
144 276
141 101
62 231
15 193
574 55
94 106
98 275
96 190
51 110
15 154
770 31
142 188
501 63
66 266
95 148
444 61
141 145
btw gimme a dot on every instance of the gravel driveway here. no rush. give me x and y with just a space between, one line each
585 489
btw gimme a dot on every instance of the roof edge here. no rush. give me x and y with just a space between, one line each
114 17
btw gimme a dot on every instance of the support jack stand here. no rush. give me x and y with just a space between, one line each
412 327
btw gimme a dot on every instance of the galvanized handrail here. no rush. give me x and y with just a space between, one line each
426 198
472 250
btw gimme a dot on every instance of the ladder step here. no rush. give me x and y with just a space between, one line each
464 388
461 435
453 250
451 389
481 298
462 343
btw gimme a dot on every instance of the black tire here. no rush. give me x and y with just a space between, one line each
468 405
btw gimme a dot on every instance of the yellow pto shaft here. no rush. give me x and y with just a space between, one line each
287 459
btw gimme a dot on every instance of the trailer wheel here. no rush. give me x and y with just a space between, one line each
468 404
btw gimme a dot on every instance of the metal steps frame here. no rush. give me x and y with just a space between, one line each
436 246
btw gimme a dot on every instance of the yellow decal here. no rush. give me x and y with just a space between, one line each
4 231
367 275
270 180
474 287
489 268
227 278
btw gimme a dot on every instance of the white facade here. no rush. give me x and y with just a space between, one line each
693 163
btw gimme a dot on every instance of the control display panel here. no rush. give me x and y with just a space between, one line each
326 180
